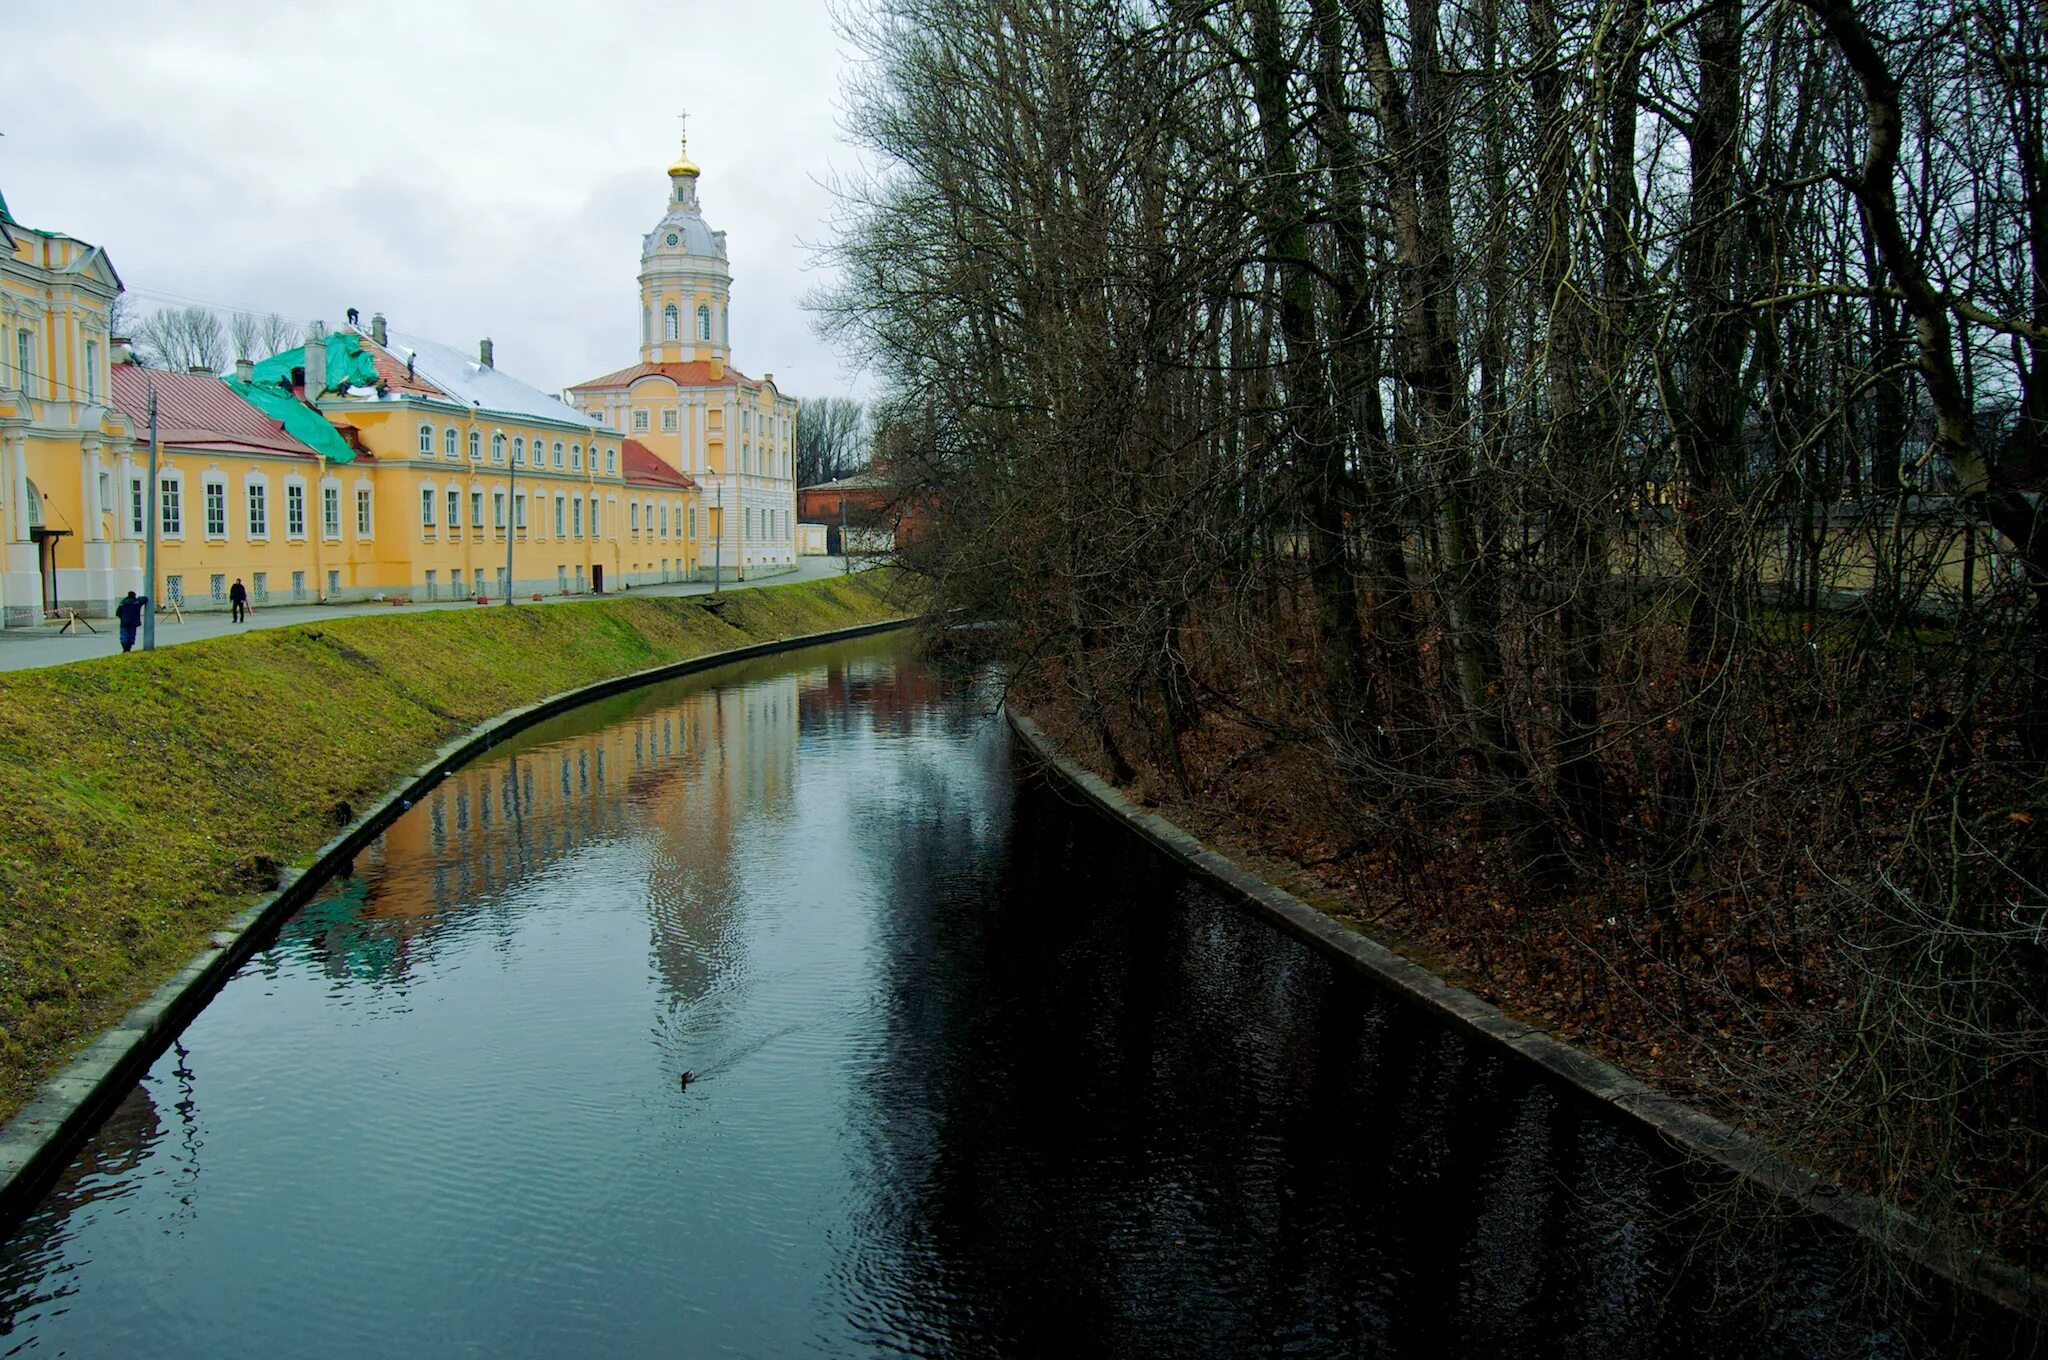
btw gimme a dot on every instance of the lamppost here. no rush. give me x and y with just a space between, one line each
718 542
149 540
511 523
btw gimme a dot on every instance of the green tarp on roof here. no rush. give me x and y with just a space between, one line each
347 365
270 391
300 421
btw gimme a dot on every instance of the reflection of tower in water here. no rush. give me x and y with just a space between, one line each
696 829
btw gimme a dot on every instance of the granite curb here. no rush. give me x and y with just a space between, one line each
40 1140
1691 1131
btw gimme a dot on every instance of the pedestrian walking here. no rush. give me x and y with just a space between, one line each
238 596
129 615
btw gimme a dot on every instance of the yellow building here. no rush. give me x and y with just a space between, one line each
369 464
733 436
462 451
238 496
59 436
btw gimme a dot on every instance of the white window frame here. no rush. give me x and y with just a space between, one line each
330 509
170 504
454 509
366 511
256 507
295 507
426 440
213 486
429 500
451 444
671 323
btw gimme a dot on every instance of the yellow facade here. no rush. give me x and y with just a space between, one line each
732 435
57 427
444 470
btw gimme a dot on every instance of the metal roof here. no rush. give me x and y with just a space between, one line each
490 390
198 411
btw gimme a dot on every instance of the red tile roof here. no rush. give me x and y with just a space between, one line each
696 373
391 372
642 466
199 411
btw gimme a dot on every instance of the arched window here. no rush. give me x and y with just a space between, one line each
703 322
669 323
518 450
476 445
448 443
426 441
497 448
558 453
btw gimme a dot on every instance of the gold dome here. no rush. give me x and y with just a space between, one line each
683 164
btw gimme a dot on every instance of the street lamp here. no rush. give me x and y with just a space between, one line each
511 523
149 541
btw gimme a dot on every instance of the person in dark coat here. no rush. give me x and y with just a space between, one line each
238 596
129 614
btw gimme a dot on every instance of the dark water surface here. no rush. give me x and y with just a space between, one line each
974 1075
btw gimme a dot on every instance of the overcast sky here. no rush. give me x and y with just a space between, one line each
468 169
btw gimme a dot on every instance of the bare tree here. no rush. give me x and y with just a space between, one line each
832 439
183 337
1528 442
259 335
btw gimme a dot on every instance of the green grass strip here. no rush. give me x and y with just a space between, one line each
146 798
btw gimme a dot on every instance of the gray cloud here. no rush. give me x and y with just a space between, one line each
469 169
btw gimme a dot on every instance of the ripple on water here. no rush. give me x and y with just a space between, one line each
974 1075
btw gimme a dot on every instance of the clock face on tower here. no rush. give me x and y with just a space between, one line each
672 238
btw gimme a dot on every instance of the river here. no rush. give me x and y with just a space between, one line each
971 1074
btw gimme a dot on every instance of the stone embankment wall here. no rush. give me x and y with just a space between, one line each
146 800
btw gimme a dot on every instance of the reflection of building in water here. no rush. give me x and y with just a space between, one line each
99 1171
675 774
891 697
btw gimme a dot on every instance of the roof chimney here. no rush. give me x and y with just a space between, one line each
207 369
377 329
483 353
316 361
245 370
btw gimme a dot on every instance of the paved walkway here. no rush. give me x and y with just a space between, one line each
24 649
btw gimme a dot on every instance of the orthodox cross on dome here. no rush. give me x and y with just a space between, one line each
683 167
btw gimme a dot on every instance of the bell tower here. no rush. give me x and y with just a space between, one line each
685 282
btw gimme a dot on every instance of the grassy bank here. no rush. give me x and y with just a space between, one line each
144 799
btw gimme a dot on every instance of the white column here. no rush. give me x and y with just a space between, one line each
16 447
